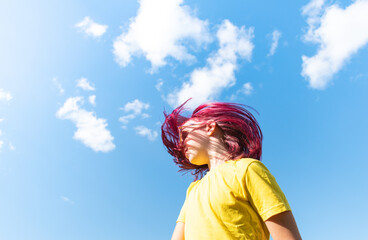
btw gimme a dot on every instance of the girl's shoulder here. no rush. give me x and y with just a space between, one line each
244 162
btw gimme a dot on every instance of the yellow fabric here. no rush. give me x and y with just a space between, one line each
232 201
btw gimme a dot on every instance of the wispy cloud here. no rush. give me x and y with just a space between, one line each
146 132
5 95
1 141
85 85
58 85
275 42
313 11
11 146
136 107
126 119
339 32
247 88
159 84
207 82
66 199
91 131
89 27
92 100
160 30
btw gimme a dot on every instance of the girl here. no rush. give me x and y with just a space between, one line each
234 196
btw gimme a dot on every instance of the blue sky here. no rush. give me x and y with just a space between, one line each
83 85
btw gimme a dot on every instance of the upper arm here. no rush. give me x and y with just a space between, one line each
178 233
283 226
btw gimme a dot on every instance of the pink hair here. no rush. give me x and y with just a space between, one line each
242 134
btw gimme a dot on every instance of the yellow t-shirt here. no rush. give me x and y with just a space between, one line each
232 201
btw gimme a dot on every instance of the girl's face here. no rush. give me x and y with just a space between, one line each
195 138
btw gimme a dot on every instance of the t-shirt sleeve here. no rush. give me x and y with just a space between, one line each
264 193
181 217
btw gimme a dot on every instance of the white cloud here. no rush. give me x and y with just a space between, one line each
1 141
85 85
11 147
92 100
275 42
339 32
91 131
5 95
89 27
125 119
247 88
145 115
143 131
207 82
66 199
58 85
313 11
160 30
136 107
159 84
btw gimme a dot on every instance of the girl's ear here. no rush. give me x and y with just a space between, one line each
210 127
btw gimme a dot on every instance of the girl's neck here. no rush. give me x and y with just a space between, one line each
217 154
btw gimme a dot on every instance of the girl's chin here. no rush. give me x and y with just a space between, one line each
190 157
196 161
